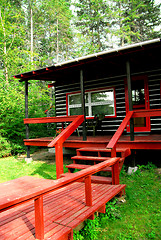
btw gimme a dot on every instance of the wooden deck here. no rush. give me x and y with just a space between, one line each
50 209
64 209
142 141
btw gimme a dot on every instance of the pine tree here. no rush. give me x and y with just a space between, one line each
135 20
92 21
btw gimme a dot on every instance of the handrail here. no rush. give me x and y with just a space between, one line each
131 114
50 119
112 143
67 131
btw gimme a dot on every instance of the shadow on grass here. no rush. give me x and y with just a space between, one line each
46 171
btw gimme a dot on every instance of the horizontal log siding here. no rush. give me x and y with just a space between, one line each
109 124
154 79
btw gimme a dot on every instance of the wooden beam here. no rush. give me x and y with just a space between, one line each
130 99
83 105
26 116
50 119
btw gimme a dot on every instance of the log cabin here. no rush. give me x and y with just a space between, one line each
112 97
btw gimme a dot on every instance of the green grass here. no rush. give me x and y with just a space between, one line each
139 218
11 168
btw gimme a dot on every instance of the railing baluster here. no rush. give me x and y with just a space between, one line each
88 191
39 218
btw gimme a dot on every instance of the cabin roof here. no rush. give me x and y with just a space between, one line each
50 73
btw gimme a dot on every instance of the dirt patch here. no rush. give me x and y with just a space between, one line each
45 156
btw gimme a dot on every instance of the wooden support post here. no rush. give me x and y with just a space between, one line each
59 159
113 151
39 218
102 209
115 173
83 105
26 116
130 99
88 191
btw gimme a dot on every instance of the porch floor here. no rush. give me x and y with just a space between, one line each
64 209
141 141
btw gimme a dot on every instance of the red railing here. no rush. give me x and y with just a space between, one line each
58 141
131 114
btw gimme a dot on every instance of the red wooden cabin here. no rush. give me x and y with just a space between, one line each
122 84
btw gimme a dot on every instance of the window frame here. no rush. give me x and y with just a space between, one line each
89 104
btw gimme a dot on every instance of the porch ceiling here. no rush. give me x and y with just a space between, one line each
113 60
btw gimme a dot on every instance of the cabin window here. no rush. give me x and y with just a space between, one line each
96 102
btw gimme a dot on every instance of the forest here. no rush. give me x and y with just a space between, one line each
40 33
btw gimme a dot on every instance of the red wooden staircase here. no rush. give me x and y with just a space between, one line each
86 157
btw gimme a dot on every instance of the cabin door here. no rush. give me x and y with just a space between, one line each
140 100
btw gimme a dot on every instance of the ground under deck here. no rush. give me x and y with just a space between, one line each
146 141
64 209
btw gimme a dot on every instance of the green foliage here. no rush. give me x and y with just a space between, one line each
91 229
5 147
12 112
149 166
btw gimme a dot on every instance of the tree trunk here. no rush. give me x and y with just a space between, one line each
32 41
4 49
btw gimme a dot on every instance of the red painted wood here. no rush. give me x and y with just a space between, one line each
83 166
44 186
113 151
88 191
149 141
102 209
39 218
115 174
67 131
146 105
56 207
90 158
120 130
101 180
147 113
50 119
59 159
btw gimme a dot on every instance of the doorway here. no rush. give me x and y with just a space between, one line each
140 100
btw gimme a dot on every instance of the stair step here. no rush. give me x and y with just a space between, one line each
90 158
82 166
94 179
125 152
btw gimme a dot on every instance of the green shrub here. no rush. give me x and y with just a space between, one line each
5 147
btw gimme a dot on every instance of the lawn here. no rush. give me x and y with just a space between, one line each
139 217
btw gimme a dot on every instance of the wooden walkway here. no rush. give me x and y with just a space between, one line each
50 209
63 211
